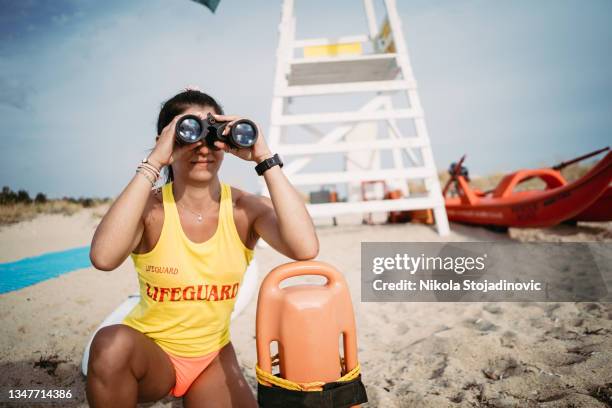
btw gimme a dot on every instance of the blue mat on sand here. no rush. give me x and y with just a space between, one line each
28 271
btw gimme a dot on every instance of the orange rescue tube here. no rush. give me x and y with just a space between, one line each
307 321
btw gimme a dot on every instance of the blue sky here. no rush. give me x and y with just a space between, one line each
513 84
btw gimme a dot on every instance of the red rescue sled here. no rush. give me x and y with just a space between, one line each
504 207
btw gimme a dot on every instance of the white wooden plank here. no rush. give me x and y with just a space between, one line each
371 18
340 117
380 144
330 70
348 87
345 177
356 207
365 58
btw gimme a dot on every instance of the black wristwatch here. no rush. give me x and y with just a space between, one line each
267 164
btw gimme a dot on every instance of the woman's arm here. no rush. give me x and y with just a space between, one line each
122 227
281 220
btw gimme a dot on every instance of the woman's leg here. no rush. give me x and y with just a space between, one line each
221 385
126 367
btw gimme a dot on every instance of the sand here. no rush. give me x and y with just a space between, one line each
412 354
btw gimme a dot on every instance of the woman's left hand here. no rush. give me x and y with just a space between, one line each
257 153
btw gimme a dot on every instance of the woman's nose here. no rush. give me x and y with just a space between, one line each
203 149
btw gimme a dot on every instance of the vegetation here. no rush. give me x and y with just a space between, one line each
486 183
19 206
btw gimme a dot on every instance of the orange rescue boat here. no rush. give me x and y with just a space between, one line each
505 207
600 210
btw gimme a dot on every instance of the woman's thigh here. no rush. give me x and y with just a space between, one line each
221 384
119 347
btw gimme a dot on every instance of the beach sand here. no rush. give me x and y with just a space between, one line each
412 354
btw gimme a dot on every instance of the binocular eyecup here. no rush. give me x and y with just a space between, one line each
191 129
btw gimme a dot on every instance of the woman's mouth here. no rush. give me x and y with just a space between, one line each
202 162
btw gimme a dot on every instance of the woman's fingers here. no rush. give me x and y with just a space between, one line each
225 118
222 146
164 143
228 127
231 119
168 131
179 152
182 150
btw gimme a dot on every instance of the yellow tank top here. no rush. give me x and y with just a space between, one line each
188 289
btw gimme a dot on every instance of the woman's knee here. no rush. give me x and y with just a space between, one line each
110 350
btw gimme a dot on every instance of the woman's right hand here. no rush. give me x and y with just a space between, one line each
165 152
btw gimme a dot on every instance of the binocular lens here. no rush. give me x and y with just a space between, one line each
189 130
192 128
244 134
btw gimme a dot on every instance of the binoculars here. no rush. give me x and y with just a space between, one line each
191 129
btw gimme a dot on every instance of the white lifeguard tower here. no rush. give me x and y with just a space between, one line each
375 65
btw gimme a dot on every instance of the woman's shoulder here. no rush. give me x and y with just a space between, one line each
248 202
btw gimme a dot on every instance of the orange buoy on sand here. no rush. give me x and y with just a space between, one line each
307 321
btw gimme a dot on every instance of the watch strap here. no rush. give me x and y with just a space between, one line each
268 163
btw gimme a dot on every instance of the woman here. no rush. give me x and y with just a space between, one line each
191 243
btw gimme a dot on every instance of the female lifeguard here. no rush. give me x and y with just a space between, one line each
190 241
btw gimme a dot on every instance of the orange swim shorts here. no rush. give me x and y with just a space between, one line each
188 369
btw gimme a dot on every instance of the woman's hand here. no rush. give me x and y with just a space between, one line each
257 153
165 151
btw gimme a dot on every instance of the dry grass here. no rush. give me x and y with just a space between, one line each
13 213
575 171
485 183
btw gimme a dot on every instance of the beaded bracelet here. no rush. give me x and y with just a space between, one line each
152 172
150 167
140 170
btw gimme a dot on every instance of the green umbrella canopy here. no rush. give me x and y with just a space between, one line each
211 4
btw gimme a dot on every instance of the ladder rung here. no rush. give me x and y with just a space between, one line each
374 145
342 58
343 69
357 176
337 117
331 209
371 86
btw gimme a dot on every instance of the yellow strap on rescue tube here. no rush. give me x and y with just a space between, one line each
268 379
